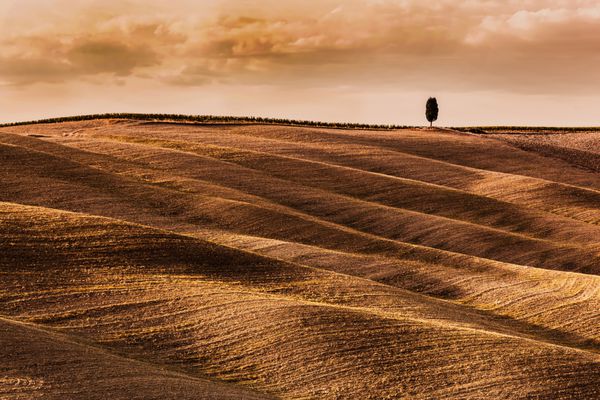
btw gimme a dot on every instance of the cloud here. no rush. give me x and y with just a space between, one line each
538 26
63 62
116 46
89 56
527 45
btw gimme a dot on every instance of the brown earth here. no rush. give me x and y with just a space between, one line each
578 148
156 260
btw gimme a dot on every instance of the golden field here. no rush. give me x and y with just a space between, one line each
153 260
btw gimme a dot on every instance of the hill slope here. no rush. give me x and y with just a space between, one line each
295 263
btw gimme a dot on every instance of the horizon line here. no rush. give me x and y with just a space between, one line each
233 119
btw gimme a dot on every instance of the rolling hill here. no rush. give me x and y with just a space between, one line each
148 259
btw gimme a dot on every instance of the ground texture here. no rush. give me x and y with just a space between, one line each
143 260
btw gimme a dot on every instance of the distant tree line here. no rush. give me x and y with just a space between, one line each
211 119
214 119
530 130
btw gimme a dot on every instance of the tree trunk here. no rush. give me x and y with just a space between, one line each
431 124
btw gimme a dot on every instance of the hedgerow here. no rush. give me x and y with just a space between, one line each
525 129
209 119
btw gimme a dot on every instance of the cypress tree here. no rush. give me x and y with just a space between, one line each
432 110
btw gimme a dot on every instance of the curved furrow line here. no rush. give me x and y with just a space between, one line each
519 189
145 204
480 152
245 159
444 246
324 287
295 286
502 281
353 220
141 195
294 383
57 356
141 172
568 237
333 177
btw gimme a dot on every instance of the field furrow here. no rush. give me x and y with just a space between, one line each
248 261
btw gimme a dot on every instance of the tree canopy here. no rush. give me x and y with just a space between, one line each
432 110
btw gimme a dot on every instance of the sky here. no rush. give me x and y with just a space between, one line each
488 62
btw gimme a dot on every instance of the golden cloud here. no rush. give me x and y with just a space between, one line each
530 45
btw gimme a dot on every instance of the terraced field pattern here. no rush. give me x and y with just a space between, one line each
155 260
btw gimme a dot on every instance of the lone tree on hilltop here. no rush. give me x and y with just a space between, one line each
432 110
